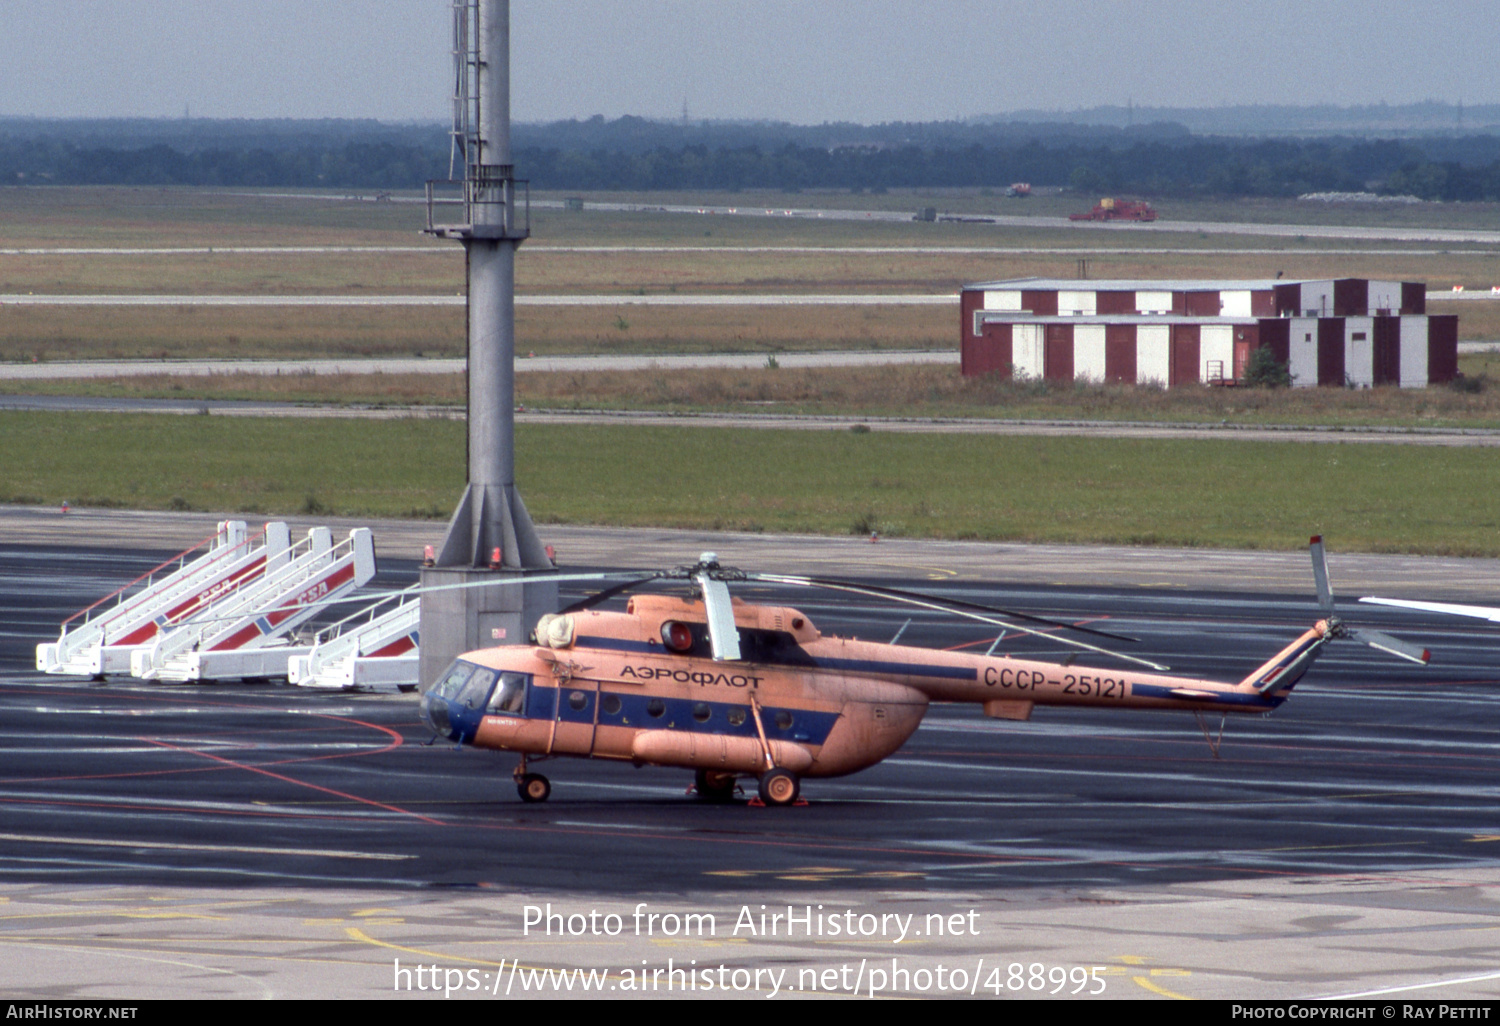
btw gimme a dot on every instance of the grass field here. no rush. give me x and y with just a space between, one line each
158 218
1382 498
1220 494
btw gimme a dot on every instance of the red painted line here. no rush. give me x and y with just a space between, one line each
299 783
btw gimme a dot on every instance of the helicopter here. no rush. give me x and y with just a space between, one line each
732 690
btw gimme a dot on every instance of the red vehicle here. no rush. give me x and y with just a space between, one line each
1118 210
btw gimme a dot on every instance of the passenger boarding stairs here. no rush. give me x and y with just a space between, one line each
243 634
99 640
380 653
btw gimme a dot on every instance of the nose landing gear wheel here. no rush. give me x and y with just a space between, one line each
779 787
714 787
534 787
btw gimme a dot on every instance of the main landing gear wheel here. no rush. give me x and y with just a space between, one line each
779 787
714 787
534 787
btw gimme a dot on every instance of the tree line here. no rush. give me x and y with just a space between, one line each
1164 165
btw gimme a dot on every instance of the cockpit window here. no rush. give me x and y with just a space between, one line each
478 688
509 698
454 679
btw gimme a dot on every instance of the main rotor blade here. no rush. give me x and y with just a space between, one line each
901 593
1320 572
723 636
927 603
1395 646
600 597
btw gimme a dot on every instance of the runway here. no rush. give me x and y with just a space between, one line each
591 300
1325 434
296 843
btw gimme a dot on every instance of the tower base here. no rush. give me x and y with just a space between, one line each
462 619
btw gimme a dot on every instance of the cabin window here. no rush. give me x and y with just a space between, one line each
784 720
702 711
736 717
577 700
509 698
656 707
610 704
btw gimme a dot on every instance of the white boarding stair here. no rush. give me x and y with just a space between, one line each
380 653
106 633
243 634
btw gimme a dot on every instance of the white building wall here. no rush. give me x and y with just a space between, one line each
1359 353
1077 304
1088 352
1153 355
1002 299
1414 371
1303 352
1027 351
1235 303
1317 299
1385 295
1215 347
1153 302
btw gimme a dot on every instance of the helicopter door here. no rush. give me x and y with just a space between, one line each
577 717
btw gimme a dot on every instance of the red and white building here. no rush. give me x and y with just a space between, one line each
1346 331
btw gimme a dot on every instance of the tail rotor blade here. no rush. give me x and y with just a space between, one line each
1320 572
1395 646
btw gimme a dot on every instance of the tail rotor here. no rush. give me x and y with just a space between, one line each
1338 629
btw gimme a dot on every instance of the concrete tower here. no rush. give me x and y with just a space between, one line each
491 547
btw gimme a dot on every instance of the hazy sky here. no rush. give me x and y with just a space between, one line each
804 61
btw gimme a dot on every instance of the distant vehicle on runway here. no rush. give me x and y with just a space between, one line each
1109 209
734 690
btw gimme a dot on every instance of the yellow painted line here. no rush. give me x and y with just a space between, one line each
1480 838
238 849
373 912
356 933
165 914
1132 960
1164 992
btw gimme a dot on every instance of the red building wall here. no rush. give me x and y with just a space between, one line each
1119 353
1442 348
1058 360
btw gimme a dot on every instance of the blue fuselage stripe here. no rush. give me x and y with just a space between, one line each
807 662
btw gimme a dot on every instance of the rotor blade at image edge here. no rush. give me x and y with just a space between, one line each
1490 613
1395 646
